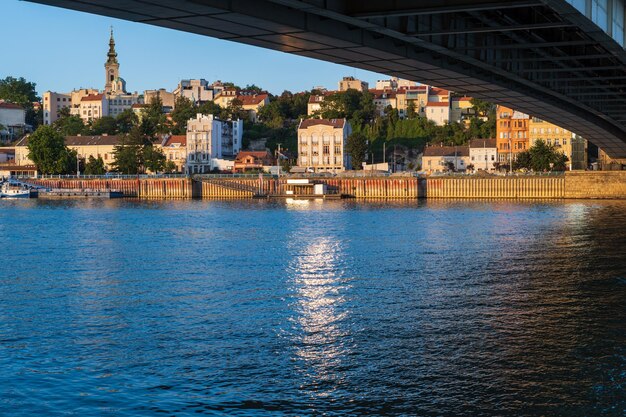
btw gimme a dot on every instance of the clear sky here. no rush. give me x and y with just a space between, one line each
62 50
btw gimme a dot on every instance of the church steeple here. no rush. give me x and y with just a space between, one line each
112 70
112 54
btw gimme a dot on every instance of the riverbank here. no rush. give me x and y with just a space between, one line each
571 185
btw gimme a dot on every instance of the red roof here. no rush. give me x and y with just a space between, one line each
446 151
93 97
335 123
437 104
138 106
180 139
439 91
464 98
383 94
255 154
483 143
5 105
250 100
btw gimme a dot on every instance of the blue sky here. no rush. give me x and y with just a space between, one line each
62 50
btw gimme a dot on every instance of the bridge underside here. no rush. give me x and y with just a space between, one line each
541 57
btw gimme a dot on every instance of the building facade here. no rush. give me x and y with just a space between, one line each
12 121
210 138
512 130
85 146
348 83
321 145
570 144
483 154
174 148
252 160
445 158
196 90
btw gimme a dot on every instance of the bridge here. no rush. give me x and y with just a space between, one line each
562 61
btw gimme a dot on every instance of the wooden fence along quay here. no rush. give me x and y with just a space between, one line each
602 184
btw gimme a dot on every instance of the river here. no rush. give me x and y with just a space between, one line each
132 308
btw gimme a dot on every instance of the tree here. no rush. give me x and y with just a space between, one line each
128 157
153 120
128 153
253 89
23 93
126 120
105 124
234 110
94 166
153 159
69 125
209 107
170 167
356 147
541 157
47 150
411 112
184 110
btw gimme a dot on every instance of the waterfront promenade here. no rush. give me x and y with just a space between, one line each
570 185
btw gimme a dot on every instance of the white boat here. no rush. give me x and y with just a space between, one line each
14 189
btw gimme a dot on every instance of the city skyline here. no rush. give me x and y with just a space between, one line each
143 64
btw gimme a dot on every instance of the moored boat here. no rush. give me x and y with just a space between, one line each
16 189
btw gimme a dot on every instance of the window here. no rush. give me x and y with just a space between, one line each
337 150
564 142
326 150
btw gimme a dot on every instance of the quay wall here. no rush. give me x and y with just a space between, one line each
573 185
495 187
596 184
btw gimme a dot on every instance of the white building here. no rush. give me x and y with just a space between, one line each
121 101
438 112
92 107
12 120
198 91
483 154
321 145
52 104
208 139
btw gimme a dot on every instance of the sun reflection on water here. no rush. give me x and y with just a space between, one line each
320 335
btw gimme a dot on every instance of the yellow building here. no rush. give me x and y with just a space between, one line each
85 146
174 148
321 145
574 147
348 83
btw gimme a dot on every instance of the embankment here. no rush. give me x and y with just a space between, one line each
572 185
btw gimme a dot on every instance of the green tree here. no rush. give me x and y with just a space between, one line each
356 147
170 167
94 166
128 157
105 124
153 159
541 157
47 150
184 110
128 154
209 107
411 112
126 120
153 120
23 93
234 111
69 125
253 89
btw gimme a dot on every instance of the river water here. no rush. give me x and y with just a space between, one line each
313 308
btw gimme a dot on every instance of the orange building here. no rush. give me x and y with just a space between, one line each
512 129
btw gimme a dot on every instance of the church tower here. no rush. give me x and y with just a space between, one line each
112 68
